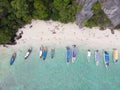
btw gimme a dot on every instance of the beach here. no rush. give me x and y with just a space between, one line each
51 74
50 33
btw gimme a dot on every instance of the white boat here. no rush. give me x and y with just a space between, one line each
40 52
88 55
28 53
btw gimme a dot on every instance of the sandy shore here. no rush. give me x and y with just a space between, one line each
54 34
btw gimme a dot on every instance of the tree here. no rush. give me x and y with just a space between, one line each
21 9
65 10
40 11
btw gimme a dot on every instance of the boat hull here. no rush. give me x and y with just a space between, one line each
44 55
68 55
40 54
12 60
106 59
27 55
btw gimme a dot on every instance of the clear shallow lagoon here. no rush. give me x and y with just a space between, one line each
56 74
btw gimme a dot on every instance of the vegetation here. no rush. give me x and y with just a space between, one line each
15 13
99 18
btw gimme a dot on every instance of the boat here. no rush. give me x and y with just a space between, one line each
97 57
115 55
88 55
28 53
52 52
68 54
74 53
44 54
13 58
41 51
106 59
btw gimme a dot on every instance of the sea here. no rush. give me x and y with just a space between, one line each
56 74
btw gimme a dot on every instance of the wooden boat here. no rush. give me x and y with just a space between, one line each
52 52
115 55
44 54
13 58
74 52
68 54
28 53
88 55
41 51
106 59
97 57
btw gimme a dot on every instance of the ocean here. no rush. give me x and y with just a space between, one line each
56 74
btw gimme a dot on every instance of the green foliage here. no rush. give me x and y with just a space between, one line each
15 13
99 18
65 10
40 11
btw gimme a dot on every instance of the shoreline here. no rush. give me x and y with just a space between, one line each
56 34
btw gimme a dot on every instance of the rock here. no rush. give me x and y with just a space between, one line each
86 12
110 7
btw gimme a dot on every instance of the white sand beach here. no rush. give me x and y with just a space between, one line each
51 33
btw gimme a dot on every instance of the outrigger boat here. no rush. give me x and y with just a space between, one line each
28 53
44 54
115 55
74 53
41 51
68 54
52 52
88 55
97 57
106 59
13 58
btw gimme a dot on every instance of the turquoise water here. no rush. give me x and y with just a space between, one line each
56 74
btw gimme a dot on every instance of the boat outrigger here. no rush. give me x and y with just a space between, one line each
97 57
52 52
68 54
28 53
106 59
115 55
13 58
74 53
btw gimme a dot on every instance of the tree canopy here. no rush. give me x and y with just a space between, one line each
15 13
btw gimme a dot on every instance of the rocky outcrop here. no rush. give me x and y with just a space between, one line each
110 7
86 12
112 10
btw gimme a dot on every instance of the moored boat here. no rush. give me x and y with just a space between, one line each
106 59
41 51
68 54
13 58
52 52
88 55
44 54
115 55
74 52
28 53
97 57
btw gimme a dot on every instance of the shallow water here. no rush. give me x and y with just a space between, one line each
56 74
